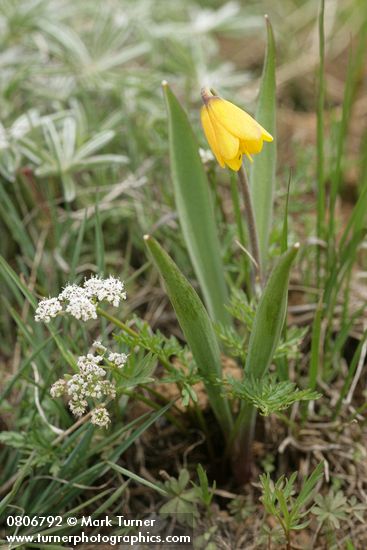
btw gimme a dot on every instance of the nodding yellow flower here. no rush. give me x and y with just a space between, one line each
230 131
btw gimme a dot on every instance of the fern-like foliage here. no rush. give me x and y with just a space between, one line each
269 395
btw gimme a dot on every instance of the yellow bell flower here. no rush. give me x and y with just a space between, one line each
230 131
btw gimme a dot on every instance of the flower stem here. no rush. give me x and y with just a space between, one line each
131 332
246 273
250 219
240 444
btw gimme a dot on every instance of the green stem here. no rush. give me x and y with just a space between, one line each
204 427
237 210
250 219
321 201
242 449
240 231
132 333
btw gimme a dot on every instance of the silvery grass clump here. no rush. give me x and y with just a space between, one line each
90 386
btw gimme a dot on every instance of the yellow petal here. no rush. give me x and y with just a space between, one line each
228 144
266 135
234 120
210 135
251 146
235 163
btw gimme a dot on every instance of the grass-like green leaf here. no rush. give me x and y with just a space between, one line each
195 209
197 328
137 478
321 200
263 169
356 61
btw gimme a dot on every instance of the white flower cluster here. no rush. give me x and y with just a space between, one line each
78 303
58 388
100 417
119 359
90 383
81 301
47 309
97 345
110 290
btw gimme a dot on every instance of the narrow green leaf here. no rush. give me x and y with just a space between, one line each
78 247
153 417
309 485
137 478
351 371
358 217
23 367
10 276
355 66
284 238
197 328
106 505
270 316
99 241
195 209
321 200
78 454
262 177
315 346
68 187
282 362
22 474
13 280
13 222
67 493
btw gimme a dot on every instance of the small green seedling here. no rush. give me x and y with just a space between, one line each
279 501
